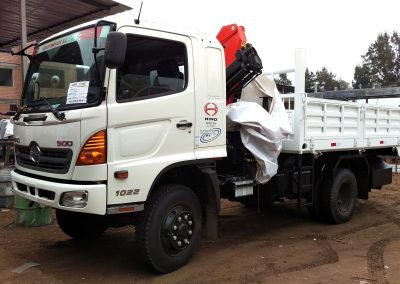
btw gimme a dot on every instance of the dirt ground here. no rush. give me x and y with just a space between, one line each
281 245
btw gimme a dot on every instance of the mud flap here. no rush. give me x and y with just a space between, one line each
381 173
210 225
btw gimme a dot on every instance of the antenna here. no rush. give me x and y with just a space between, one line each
137 21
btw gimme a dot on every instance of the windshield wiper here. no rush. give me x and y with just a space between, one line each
54 111
57 114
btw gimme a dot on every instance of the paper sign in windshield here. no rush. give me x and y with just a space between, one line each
77 92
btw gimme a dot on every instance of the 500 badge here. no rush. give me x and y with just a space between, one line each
64 143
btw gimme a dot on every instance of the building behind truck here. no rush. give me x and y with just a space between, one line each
125 123
10 82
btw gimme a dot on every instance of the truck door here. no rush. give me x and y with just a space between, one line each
150 112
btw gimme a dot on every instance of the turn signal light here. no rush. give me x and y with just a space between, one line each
121 174
94 150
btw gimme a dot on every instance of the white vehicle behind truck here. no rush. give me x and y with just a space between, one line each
126 124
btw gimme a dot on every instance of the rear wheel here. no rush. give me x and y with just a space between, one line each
80 225
169 229
339 197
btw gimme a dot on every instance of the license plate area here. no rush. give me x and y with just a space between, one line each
243 188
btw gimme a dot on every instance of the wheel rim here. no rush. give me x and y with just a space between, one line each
177 230
344 199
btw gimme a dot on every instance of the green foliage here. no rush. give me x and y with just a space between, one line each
325 80
283 80
381 64
310 79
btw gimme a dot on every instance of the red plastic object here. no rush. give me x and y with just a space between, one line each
232 38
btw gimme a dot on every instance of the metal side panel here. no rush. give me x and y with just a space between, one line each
381 121
332 119
328 125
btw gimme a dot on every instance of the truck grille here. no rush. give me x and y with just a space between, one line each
52 160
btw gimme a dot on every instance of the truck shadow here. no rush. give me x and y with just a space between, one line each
116 253
114 256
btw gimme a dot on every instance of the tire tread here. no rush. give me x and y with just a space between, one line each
144 225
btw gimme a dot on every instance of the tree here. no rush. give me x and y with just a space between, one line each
325 80
310 79
342 84
283 80
380 64
362 77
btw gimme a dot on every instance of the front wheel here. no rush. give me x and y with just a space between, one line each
339 197
169 229
80 225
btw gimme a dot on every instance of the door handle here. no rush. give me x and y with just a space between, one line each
183 124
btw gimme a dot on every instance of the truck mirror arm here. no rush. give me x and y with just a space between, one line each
96 49
20 52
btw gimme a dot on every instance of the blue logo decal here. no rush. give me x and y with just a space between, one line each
209 135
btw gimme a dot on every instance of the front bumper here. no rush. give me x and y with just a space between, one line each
48 193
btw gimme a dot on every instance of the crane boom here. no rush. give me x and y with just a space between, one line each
242 62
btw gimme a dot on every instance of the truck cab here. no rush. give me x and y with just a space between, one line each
114 113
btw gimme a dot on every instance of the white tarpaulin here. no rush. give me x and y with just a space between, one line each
261 131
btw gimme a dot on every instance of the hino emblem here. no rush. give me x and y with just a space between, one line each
35 153
211 109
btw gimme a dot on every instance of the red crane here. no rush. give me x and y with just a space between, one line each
241 60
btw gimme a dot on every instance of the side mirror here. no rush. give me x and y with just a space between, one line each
115 50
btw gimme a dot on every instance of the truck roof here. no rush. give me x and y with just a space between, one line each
127 19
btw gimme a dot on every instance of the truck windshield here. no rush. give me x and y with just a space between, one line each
64 72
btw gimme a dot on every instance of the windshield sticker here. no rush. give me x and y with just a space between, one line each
55 43
77 92
102 31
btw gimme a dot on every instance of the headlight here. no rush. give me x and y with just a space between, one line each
74 199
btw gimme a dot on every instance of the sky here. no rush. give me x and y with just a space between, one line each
334 33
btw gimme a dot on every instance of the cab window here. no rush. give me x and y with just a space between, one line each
153 67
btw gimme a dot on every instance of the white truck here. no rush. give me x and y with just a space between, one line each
125 123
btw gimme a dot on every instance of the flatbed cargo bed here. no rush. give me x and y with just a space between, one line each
321 125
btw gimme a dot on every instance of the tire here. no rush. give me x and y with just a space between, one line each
81 226
172 215
339 197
